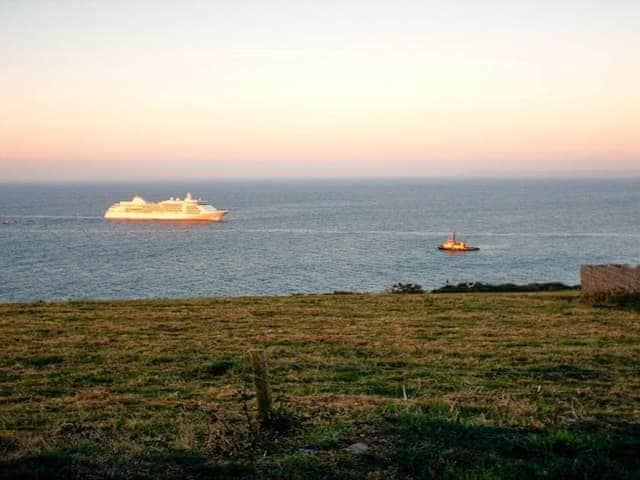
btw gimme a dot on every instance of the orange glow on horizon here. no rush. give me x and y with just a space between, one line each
337 101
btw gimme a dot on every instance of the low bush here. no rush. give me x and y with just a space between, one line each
611 298
504 287
406 288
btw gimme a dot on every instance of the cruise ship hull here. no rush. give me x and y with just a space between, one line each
169 217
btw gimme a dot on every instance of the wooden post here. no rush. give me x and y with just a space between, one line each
263 390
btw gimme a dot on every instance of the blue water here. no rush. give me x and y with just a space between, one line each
311 236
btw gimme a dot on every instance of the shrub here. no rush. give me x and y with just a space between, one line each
406 288
611 298
504 287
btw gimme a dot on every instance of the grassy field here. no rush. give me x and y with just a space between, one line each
436 386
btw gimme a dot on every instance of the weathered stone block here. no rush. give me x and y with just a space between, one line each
610 280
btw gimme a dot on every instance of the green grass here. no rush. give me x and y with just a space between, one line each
493 385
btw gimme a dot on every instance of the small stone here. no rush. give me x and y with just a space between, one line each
358 448
306 451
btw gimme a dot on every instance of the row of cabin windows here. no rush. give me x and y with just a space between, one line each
150 209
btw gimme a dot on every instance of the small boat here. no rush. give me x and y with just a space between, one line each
453 245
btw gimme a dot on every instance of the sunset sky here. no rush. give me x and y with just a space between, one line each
158 90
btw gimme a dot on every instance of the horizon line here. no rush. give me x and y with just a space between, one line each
592 175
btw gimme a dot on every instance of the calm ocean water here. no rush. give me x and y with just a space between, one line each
311 236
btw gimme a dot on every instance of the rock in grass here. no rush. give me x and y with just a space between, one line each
358 448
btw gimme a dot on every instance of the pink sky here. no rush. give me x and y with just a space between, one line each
279 89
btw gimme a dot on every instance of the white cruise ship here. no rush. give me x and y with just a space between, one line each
190 209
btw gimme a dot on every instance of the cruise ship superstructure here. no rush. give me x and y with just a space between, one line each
174 209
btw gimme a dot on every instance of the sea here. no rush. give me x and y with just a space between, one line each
311 236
